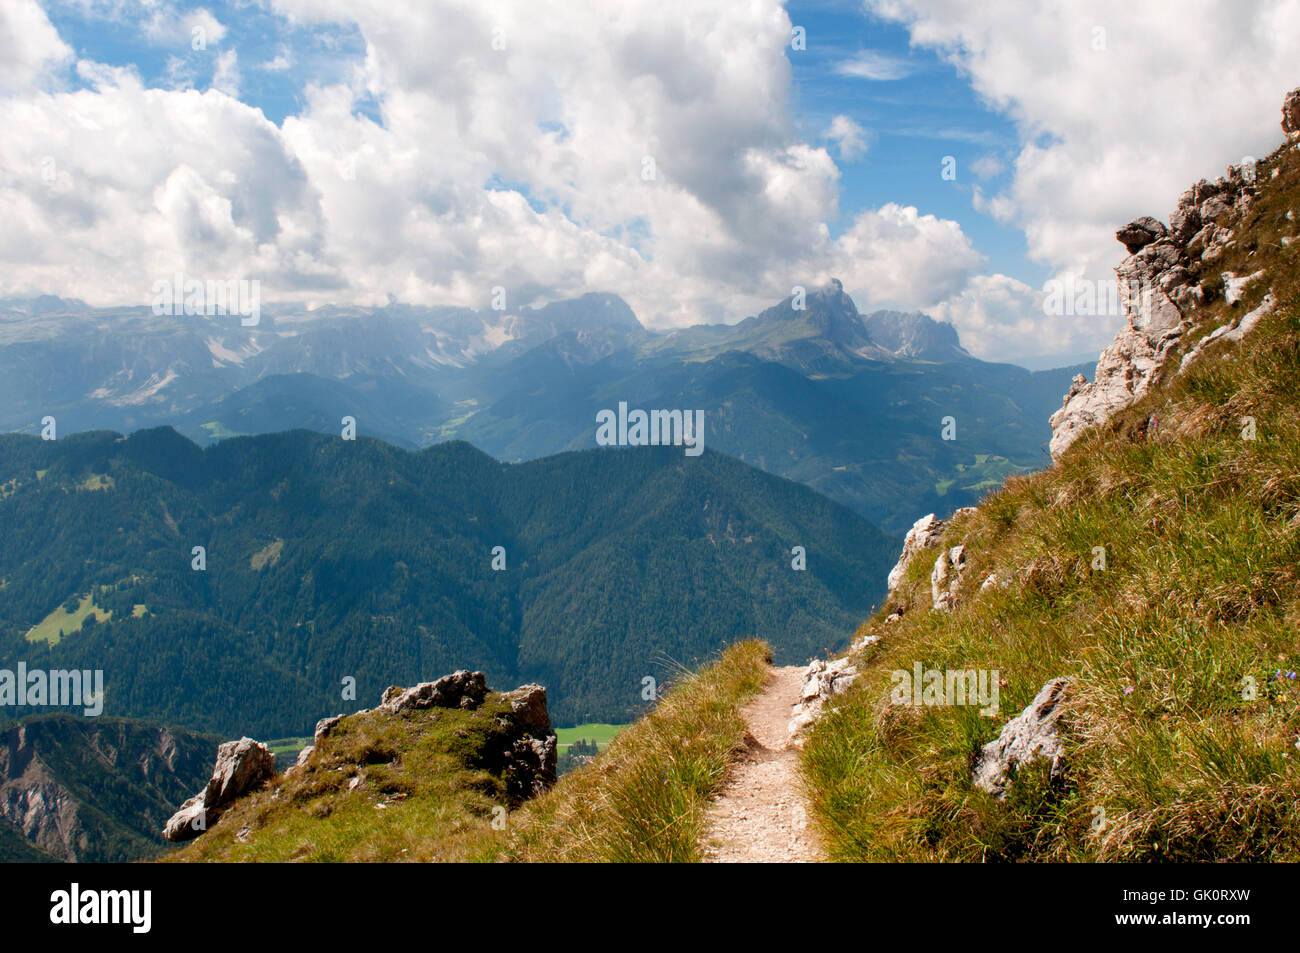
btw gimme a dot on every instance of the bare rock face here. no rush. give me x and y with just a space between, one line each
460 689
1291 115
1031 735
1157 291
531 757
241 767
923 532
946 577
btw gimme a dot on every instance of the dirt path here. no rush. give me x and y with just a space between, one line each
761 816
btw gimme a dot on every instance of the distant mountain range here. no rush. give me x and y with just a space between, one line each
96 789
329 562
810 389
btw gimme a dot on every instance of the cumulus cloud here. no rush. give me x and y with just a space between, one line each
849 137
652 153
225 77
895 256
1120 105
30 47
194 29
1001 318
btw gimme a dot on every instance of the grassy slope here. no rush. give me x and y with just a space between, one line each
423 796
1202 536
644 799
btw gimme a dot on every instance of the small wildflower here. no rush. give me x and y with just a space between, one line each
1129 690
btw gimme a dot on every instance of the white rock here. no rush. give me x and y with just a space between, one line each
1234 287
1030 735
946 577
923 532
821 681
1232 331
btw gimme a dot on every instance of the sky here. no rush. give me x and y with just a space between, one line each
700 158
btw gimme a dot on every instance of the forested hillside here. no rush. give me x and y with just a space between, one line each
329 560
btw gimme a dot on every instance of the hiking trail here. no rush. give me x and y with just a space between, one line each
761 815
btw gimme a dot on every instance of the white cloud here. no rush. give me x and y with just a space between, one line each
283 60
896 256
192 29
30 47
1001 318
524 167
988 166
225 77
849 137
873 65
1118 128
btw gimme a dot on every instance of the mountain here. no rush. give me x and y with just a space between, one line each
93 789
809 389
916 336
330 559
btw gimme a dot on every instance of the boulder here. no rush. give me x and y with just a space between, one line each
530 760
1141 232
1234 286
1031 735
242 766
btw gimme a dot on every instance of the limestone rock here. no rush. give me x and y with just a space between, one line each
1030 735
325 726
822 680
1291 115
946 577
1234 287
1157 291
923 532
1232 331
241 766
532 754
460 689
1140 232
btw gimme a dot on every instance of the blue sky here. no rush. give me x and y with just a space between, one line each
926 113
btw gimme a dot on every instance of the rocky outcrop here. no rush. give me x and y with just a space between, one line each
923 532
822 681
241 767
1031 735
522 750
1158 288
1291 115
460 689
531 759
